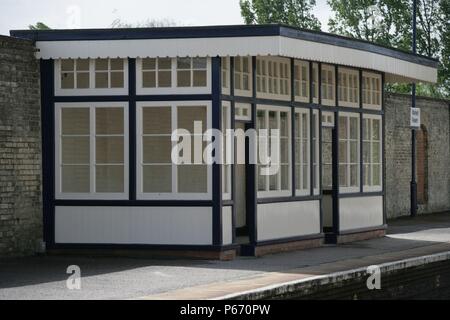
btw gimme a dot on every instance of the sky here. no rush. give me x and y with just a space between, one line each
63 14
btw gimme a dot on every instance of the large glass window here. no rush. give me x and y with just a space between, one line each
191 72
226 75
348 87
156 73
158 177
371 90
279 183
227 153
349 137
315 84
243 76
328 87
273 78
90 76
301 81
91 151
302 151
372 146
316 153
109 73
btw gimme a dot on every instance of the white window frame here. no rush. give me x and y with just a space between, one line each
174 195
92 195
370 76
349 115
300 64
328 68
174 89
240 109
316 141
241 92
279 63
277 193
300 191
228 178
348 72
226 75
91 91
374 188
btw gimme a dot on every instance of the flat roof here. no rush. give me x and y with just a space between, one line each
233 40
219 32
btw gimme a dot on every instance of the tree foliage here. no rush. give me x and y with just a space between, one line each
296 13
388 22
39 26
149 23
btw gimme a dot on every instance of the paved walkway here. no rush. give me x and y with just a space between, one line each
126 278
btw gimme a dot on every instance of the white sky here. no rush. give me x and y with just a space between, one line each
61 14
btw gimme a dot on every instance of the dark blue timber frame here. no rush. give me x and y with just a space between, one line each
48 121
48 100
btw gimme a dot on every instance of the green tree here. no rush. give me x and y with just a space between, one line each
39 26
388 22
291 12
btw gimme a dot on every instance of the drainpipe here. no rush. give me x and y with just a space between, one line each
413 131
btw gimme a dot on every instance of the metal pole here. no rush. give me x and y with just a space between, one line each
413 132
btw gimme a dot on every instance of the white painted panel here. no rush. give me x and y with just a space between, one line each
227 225
231 46
134 225
288 219
361 212
396 69
310 50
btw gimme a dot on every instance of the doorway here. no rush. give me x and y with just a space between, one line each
240 180
329 138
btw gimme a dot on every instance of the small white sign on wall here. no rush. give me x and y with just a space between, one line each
415 118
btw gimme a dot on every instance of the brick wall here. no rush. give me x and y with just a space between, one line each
434 161
20 148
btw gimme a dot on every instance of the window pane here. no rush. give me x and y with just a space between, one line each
83 80
285 177
376 175
284 150
354 128
273 182
117 80
156 149
353 151
164 63
116 64
109 179
366 152
109 150
75 179
101 64
354 176
199 78
343 128
261 180
367 175
376 130
109 121
343 151
75 150
184 78
67 65
101 80
199 63
164 79
187 116
192 178
67 80
149 79
157 179
184 63
343 176
149 64
376 157
75 120
157 120
284 124
82 64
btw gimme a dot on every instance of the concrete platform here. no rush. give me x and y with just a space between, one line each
408 244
